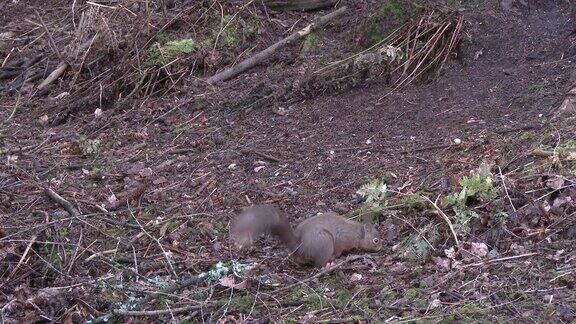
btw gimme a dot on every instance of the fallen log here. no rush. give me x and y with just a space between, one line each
296 5
261 56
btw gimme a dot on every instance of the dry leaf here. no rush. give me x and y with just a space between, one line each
11 159
159 180
435 303
443 263
43 120
355 277
555 183
146 172
479 249
228 281
112 198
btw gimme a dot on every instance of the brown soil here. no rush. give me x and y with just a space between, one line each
202 162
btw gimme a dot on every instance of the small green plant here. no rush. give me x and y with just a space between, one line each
161 54
63 232
179 130
234 31
479 186
374 193
89 147
418 246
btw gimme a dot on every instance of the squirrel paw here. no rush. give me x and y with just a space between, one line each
329 265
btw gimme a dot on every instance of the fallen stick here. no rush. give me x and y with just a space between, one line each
123 312
53 76
288 5
142 302
487 262
261 56
445 217
319 274
63 202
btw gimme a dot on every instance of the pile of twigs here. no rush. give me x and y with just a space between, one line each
426 43
409 53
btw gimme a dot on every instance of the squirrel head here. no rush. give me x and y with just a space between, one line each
371 238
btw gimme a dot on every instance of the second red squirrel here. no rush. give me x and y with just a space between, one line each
318 240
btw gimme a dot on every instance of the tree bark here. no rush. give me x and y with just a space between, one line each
286 5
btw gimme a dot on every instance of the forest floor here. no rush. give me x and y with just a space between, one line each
118 181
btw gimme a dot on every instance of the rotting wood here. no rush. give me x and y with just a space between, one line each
288 5
126 197
261 56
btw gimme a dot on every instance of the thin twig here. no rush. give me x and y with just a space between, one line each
157 240
63 202
123 312
445 217
500 259
319 274
506 189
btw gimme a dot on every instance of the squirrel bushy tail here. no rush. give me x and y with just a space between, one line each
258 220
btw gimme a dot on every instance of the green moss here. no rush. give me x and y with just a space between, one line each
527 136
532 93
412 294
387 294
161 54
244 303
250 31
342 297
472 310
311 301
391 11
179 130
311 39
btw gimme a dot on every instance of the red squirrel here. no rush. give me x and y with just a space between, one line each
319 239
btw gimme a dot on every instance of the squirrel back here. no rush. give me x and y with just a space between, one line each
318 239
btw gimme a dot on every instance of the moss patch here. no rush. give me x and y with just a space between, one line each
161 54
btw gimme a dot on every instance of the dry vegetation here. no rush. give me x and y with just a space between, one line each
453 122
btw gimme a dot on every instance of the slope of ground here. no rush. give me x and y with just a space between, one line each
200 165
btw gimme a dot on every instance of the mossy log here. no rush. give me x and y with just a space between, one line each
288 5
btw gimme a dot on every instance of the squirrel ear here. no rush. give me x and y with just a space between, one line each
367 218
